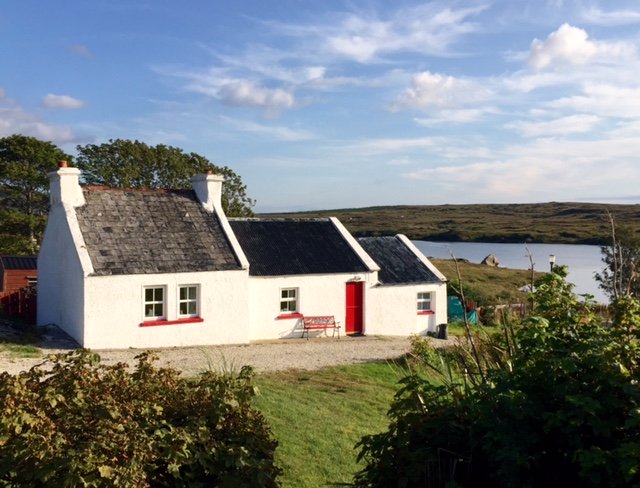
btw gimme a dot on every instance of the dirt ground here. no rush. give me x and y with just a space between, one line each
275 355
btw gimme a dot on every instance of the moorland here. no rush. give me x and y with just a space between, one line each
554 222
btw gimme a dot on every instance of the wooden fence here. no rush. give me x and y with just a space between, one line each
21 303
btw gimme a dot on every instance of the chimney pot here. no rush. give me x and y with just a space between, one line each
63 164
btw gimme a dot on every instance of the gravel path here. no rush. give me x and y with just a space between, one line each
263 356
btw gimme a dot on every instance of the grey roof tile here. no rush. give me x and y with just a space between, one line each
291 247
398 264
151 231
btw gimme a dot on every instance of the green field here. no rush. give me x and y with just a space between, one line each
569 223
319 416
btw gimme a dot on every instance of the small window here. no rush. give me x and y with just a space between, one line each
154 306
188 301
424 301
289 300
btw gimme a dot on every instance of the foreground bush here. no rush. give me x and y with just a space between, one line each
82 423
552 402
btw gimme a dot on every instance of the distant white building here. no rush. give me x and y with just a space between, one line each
122 268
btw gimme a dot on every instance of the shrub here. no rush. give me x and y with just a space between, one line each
75 422
552 402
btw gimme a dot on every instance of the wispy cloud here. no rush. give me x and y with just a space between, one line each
571 124
62 102
596 16
14 119
277 132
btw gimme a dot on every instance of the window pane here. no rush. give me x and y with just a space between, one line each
191 308
283 306
148 310
148 295
183 293
159 292
192 292
157 310
183 308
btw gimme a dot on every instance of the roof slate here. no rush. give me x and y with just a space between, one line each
19 262
398 264
152 231
292 247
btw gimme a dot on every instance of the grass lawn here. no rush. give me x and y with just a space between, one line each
319 416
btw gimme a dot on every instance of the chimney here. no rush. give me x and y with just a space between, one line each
64 186
208 188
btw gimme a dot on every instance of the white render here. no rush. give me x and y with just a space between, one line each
114 311
317 295
392 310
107 312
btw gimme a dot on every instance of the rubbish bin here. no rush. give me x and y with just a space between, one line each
442 331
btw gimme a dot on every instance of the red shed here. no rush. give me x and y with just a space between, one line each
16 272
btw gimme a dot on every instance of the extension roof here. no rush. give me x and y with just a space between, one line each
19 262
398 263
130 231
292 247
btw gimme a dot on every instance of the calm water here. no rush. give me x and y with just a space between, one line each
583 261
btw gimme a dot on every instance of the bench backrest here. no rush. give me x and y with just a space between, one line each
319 320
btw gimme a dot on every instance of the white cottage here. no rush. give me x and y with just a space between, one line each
123 268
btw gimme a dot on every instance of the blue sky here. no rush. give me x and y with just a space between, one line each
330 104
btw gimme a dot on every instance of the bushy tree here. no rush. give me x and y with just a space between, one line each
75 422
122 163
557 404
621 258
24 191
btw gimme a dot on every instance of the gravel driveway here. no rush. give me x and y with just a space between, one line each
263 356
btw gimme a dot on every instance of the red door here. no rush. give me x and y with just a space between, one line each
353 319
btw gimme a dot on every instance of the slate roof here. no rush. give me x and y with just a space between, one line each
398 264
151 231
291 247
19 262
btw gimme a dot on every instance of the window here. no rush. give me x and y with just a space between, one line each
424 301
154 306
188 301
289 300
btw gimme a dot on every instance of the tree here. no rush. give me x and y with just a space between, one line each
620 276
122 163
24 189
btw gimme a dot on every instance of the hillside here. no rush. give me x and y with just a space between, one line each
568 223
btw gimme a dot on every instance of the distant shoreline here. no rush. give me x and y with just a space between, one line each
543 223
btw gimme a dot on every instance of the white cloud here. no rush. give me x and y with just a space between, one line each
430 28
432 90
541 170
571 45
597 16
603 99
62 102
14 119
277 132
460 116
387 145
239 92
571 124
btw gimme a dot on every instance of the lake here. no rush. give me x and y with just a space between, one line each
583 261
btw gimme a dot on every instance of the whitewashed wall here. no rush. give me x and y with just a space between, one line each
317 295
60 276
114 310
392 310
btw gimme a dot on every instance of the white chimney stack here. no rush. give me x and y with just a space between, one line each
64 186
208 188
